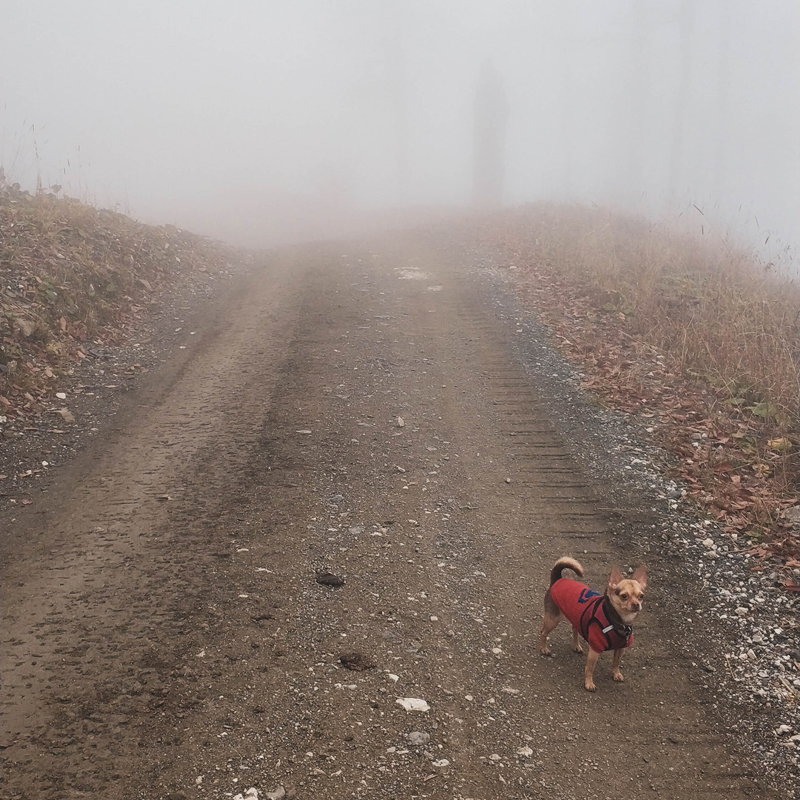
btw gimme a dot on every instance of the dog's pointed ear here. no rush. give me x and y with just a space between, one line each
641 576
615 577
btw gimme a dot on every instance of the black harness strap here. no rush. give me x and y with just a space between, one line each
595 613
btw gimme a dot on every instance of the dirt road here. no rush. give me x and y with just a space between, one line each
357 410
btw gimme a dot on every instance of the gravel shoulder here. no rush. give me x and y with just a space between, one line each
382 412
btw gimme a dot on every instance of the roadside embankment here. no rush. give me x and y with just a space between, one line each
695 334
76 279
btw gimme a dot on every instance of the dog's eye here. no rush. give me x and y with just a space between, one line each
623 595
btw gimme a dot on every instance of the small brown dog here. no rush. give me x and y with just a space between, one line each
603 620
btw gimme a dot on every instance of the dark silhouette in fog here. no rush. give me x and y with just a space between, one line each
491 114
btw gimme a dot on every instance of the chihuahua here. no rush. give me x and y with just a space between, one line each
603 620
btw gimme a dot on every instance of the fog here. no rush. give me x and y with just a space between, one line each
266 120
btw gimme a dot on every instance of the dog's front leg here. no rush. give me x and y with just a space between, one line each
588 673
576 641
618 676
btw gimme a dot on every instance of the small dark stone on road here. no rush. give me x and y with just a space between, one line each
329 579
357 661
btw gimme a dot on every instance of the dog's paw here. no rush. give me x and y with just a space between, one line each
577 649
619 677
589 686
546 652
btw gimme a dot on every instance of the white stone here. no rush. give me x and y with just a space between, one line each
413 704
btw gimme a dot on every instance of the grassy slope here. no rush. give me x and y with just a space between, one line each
74 277
699 338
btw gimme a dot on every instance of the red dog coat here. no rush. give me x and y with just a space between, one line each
584 608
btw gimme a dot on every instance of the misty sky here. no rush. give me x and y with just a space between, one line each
230 118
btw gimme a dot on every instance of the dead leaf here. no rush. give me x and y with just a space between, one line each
66 415
781 445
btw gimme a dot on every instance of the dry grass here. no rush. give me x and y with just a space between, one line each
697 337
719 312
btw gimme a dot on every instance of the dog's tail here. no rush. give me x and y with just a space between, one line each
565 562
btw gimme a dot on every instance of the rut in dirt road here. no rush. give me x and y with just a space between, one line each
357 411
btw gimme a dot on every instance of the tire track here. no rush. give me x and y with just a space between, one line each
89 616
